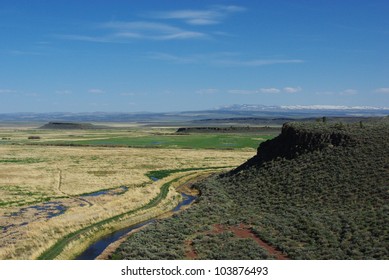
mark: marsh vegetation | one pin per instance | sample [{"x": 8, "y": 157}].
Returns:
[{"x": 56, "y": 196}]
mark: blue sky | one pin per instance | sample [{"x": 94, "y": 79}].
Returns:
[{"x": 159, "y": 56}]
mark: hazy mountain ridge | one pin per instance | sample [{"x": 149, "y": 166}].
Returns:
[
  {"x": 233, "y": 111},
  {"x": 255, "y": 107},
  {"x": 71, "y": 126}
]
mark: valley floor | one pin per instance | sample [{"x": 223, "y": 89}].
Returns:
[{"x": 49, "y": 193}]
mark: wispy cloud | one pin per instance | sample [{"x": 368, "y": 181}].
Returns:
[
  {"x": 156, "y": 28},
  {"x": 212, "y": 15},
  {"x": 194, "y": 58},
  {"x": 325, "y": 93},
  {"x": 150, "y": 30},
  {"x": 96, "y": 91},
  {"x": 271, "y": 90},
  {"x": 96, "y": 104},
  {"x": 208, "y": 91},
  {"x": 8, "y": 91},
  {"x": 292, "y": 89},
  {"x": 382, "y": 90},
  {"x": 229, "y": 59},
  {"x": 93, "y": 39},
  {"x": 122, "y": 31},
  {"x": 24, "y": 53},
  {"x": 257, "y": 62},
  {"x": 348, "y": 92}
]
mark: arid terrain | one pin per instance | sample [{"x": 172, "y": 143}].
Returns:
[
  {"x": 51, "y": 188},
  {"x": 317, "y": 191}
]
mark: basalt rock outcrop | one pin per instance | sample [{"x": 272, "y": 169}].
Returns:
[{"x": 296, "y": 139}]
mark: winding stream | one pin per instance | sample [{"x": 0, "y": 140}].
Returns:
[{"x": 99, "y": 246}]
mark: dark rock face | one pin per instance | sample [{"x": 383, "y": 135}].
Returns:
[{"x": 294, "y": 141}]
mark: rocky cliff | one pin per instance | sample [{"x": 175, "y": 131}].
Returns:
[{"x": 296, "y": 139}]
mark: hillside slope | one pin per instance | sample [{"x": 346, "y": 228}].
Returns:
[{"x": 317, "y": 191}]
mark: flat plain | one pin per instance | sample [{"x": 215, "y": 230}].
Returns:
[{"x": 57, "y": 184}]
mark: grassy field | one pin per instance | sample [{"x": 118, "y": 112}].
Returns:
[
  {"x": 136, "y": 137},
  {"x": 48, "y": 193},
  {"x": 177, "y": 141}
]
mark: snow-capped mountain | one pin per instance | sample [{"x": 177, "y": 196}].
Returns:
[{"x": 256, "y": 107}]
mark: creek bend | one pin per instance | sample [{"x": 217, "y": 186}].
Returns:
[{"x": 95, "y": 249}]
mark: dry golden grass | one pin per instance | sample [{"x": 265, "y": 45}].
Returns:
[
  {"x": 20, "y": 134},
  {"x": 29, "y": 175}
]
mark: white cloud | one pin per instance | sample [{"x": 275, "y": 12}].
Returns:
[
  {"x": 151, "y": 30},
  {"x": 213, "y": 15},
  {"x": 257, "y": 62},
  {"x": 93, "y": 39},
  {"x": 231, "y": 8},
  {"x": 269, "y": 90},
  {"x": 382, "y": 90},
  {"x": 292, "y": 89},
  {"x": 325, "y": 93},
  {"x": 119, "y": 31},
  {"x": 7, "y": 91},
  {"x": 140, "y": 26},
  {"x": 96, "y": 91},
  {"x": 348, "y": 92},
  {"x": 181, "y": 35},
  {"x": 201, "y": 21},
  {"x": 194, "y": 17},
  {"x": 177, "y": 59},
  {"x": 221, "y": 59}
]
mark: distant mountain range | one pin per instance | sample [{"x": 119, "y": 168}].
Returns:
[
  {"x": 254, "y": 107},
  {"x": 225, "y": 112}
]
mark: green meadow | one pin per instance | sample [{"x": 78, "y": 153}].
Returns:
[{"x": 192, "y": 141}]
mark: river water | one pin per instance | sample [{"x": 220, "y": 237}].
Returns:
[{"x": 94, "y": 250}]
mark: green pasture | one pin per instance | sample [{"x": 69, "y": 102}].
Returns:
[{"x": 191, "y": 141}]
